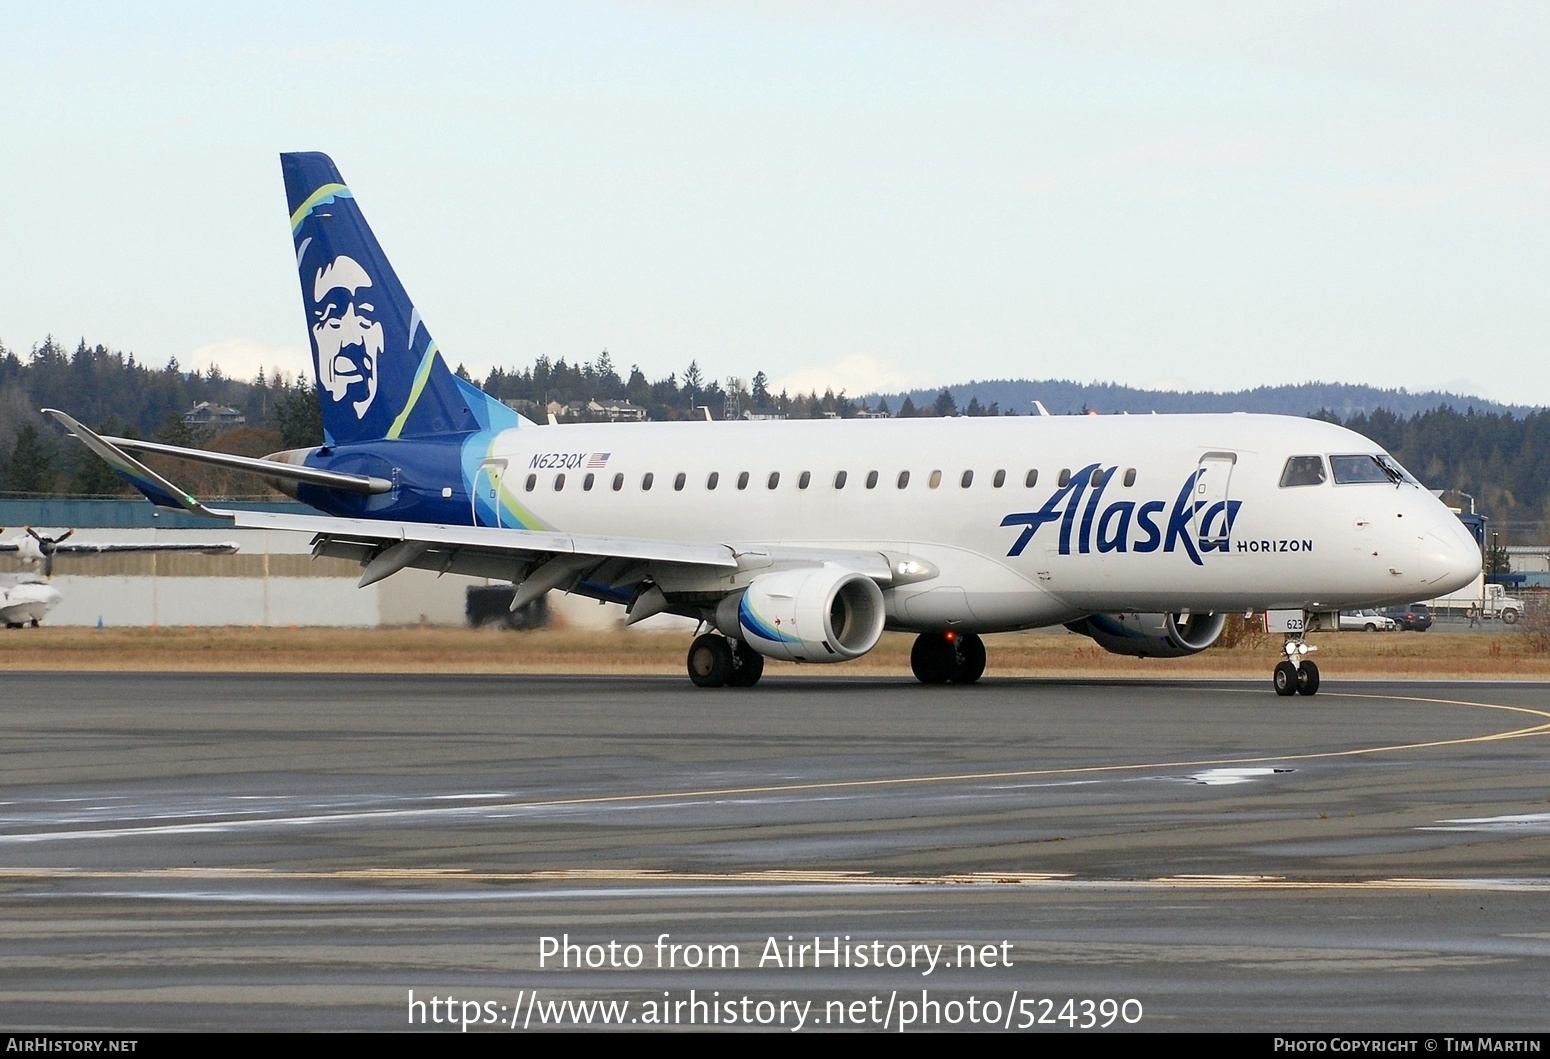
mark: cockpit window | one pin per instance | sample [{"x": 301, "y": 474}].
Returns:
[
  {"x": 1303, "y": 470},
  {"x": 1380, "y": 468}
]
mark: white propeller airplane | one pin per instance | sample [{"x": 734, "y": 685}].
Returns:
[
  {"x": 806, "y": 540},
  {"x": 28, "y": 601}
]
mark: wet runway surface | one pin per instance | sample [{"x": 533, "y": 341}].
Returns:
[{"x": 301, "y": 851}]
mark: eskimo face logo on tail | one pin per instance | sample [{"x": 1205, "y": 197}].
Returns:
[
  {"x": 1086, "y": 525},
  {"x": 347, "y": 338}
]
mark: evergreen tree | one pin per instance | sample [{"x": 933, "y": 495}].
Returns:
[
  {"x": 299, "y": 418},
  {"x": 945, "y": 406},
  {"x": 907, "y": 409},
  {"x": 638, "y": 391},
  {"x": 93, "y": 477},
  {"x": 31, "y": 466},
  {"x": 694, "y": 382},
  {"x": 605, "y": 378}
]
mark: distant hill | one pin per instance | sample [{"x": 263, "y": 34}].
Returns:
[{"x": 1062, "y": 396}]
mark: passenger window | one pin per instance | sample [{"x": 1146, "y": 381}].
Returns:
[
  {"x": 742, "y": 480},
  {"x": 618, "y": 482},
  {"x": 1308, "y": 470},
  {"x": 646, "y": 480},
  {"x": 871, "y": 480},
  {"x": 967, "y": 479},
  {"x": 559, "y": 482},
  {"x": 714, "y": 480},
  {"x": 999, "y": 480},
  {"x": 1065, "y": 478},
  {"x": 678, "y": 483},
  {"x": 774, "y": 479},
  {"x": 1130, "y": 477},
  {"x": 839, "y": 480},
  {"x": 532, "y": 480},
  {"x": 803, "y": 481},
  {"x": 586, "y": 483},
  {"x": 1031, "y": 479},
  {"x": 904, "y": 479},
  {"x": 935, "y": 479}
]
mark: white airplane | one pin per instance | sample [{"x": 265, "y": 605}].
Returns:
[
  {"x": 28, "y": 601},
  {"x": 806, "y": 540}
]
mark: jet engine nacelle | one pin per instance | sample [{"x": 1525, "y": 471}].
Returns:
[
  {"x": 817, "y": 614},
  {"x": 1152, "y": 635}
]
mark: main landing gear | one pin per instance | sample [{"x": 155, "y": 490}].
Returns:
[
  {"x": 950, "y": 657},
  {"x": 715, "y": 662},
  {"x": 1297, "y": 675}
]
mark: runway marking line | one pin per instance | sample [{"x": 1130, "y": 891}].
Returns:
[{"x": 369, "y": 815}]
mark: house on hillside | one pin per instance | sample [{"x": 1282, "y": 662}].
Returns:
[
  {"x": 205, "y": 414},
  {"x": 618, "y": 411}
]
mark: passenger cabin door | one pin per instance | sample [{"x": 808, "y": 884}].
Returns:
[
  {"x": 487, "y": 493},
  {"x": 1213, "y": 489}
]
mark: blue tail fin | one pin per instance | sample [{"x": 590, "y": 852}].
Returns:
[{"x": 378, "y": 372}]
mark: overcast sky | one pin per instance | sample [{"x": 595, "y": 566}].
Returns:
[{"x": 868, "y": 195}]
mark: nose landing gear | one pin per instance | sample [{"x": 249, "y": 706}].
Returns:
[{"x": 1298, "y": 675}]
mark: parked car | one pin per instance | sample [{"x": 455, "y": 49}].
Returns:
[
  {"x": 1412, "y": 617},
  {"x": 1366, "y": 621}
]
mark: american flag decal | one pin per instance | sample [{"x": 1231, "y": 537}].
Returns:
[{"x": 598, "y": 460}]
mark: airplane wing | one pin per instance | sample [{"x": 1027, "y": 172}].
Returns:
[
  {"x": 88, "y": 548},
  {"x": 609, "y": 568},
  {"x": 617, "y": 569}
]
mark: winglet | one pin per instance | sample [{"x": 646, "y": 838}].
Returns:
[{"x": 157, "y": 489}]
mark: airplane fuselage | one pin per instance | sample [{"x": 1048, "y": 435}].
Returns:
[{"x": 1029, "y": 520}]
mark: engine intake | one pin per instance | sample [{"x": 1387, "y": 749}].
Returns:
[
  {"x": 1152, "y": 635},
  {"x": 818, "y": 614}
]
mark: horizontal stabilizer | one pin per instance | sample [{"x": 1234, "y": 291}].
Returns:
[
  {"x": 348, "y": 483},
  {"x": 157, "y": 489}
]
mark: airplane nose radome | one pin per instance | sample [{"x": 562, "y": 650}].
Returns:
[{"x": 1451, "y": 558}]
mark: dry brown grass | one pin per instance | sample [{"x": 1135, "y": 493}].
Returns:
[{"x": 320, "y": 650}]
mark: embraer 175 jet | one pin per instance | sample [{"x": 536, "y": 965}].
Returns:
[{"x": 806, "y": 540}]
